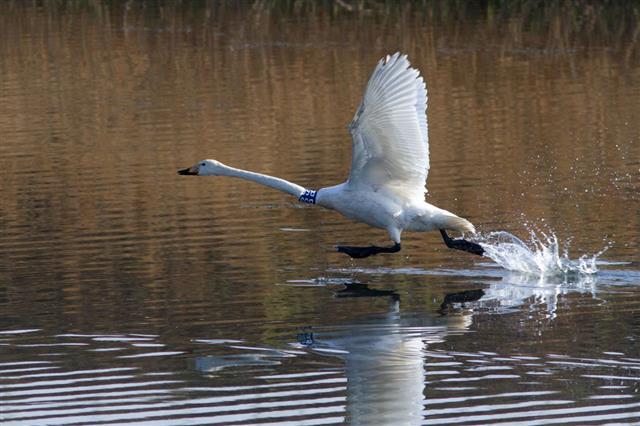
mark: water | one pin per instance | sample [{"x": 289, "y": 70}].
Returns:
[
  {"x": 543, "y": 255},
  {"x": 132, "y": 295}
]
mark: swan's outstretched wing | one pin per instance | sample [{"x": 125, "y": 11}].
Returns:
[{"x": 389, "y": 131}]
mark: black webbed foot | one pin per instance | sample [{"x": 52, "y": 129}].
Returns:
[
  {"x": 461, "y": 244},
  {"x": 361, "y": 252}
]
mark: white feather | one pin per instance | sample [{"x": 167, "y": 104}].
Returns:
[{"x": 389, "y": 131}]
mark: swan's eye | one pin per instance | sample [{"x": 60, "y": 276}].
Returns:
[{"x": 202, "y": 164}]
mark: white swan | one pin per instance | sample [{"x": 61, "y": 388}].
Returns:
[{"x": 389, "y": 165}]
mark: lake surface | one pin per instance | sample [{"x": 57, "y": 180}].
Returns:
[{"x": 132, "y": 295}]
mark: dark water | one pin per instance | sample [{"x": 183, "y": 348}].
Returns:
[{"x": 131, "y": 295}]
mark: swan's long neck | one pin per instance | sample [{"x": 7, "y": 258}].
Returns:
[{"x": 301, "y": 193}]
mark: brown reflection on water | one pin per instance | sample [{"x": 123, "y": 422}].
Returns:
[
  {"x": 100, "y": 106},
  {"x": 533, "y": 116}
]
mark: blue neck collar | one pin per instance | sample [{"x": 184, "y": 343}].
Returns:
[{"x": 308, "y": 197}]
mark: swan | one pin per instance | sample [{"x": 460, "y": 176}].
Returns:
[{"x": 390, "y": 160}]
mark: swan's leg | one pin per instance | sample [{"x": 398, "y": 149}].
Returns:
[
  {"x": 360, "y": 252},
  {"x": 461, "y": 244}
]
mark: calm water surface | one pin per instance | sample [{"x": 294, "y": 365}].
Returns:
[{"x": 131, "y": 295}]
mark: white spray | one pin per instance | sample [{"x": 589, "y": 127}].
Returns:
[{"x": 541, "y": 257}]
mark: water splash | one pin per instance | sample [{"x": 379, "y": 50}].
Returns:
[{"x": 541, "y": 257}]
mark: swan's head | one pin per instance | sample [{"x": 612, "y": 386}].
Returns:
[{"x": 203, "y": 168}]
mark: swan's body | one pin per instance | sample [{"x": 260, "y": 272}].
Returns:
[
  {"x": 389, "y": 166},
  {"x": 387, "y": 210}
]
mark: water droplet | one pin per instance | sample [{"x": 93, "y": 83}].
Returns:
[{"x": 542, "y": 256}]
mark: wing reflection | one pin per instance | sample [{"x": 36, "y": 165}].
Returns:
[{"x": 384, "y": 358}]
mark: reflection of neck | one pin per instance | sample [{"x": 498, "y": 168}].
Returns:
[{"x": 270, "y": 181}]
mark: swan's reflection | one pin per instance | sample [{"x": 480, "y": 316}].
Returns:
[
  {"x": 510, "y": 289},
  {"x": 384, "y": 354},
  {"x": 384, "y": 358}
]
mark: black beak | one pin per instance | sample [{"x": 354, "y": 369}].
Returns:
[{"x": 187, "y": 172}]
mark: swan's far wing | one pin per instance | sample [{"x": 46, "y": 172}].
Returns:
[{"x": 389, "y": 130}]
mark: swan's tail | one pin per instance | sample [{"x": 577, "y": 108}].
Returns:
[{"x": 455, "y": 223}]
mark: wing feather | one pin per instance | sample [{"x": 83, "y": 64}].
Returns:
[{"x": 389, "y": 131}]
